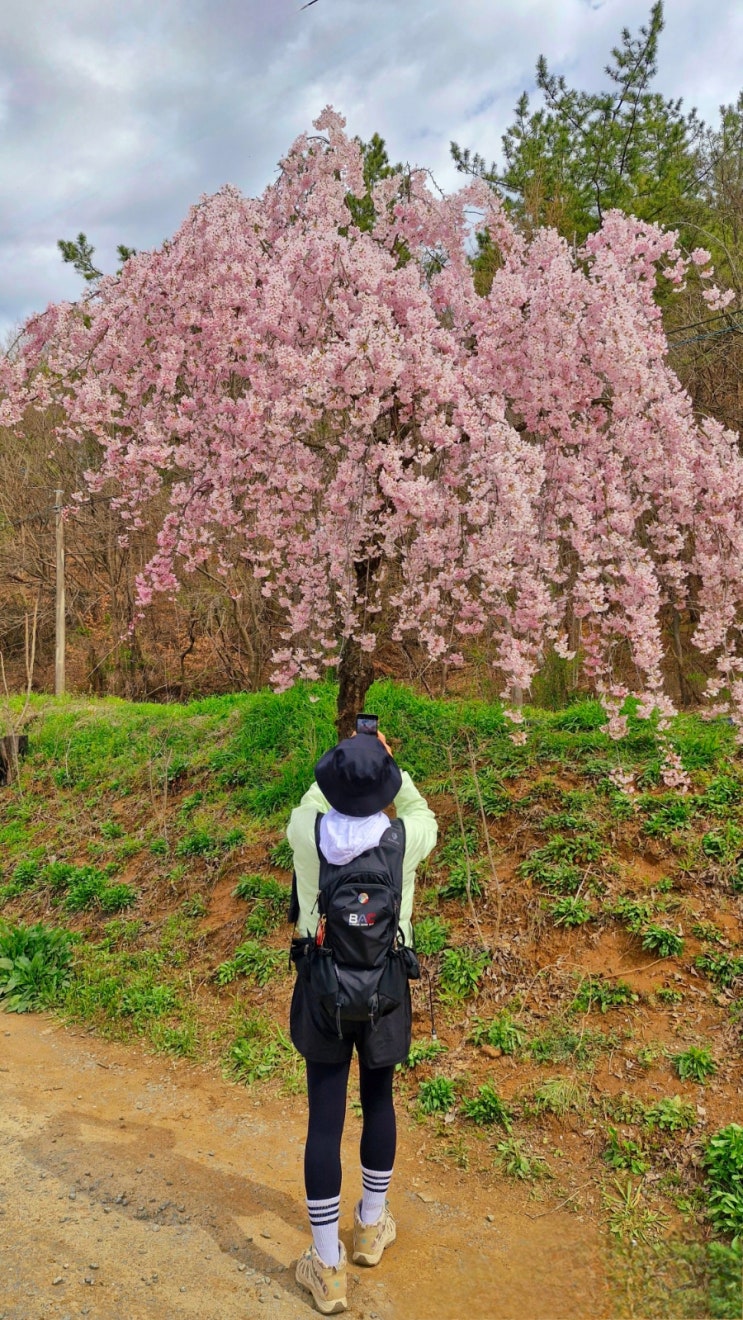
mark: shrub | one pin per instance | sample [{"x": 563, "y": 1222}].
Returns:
[
  {"x": 35, "y": 965},
  {"x": 723, "y": 1162}
]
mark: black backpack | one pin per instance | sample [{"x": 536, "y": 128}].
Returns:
[{"x": 359, "y": 963}]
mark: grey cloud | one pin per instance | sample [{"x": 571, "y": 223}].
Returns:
[{"x": 115, "y": 118}]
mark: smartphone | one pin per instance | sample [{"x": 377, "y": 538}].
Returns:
[{"x": 367, "y": 724}]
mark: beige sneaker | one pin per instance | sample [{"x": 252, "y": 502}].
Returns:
[
  {"x": 370, "y": 1240},
  {"x": 327, "y": 1283}
]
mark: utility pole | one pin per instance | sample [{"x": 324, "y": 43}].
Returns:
[{"x": 59, "y": 617}]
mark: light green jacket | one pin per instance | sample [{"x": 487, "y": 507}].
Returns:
[{"x": 420, "y": 837}]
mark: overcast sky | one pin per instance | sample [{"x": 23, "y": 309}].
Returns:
[{"x": 116, "y": 115}]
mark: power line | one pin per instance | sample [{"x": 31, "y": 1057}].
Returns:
[{"x": 735, "y": 329}]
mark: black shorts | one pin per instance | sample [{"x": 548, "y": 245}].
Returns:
[{"x": 315, "y": 1034}]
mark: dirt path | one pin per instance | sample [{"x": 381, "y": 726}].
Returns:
[{"x": 133, "y": 1188}]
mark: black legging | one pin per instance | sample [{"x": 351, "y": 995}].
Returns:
[{"x": 326, "y": 1092}]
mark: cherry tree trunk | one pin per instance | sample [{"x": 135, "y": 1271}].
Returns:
[{"x": 355, "y": 677}]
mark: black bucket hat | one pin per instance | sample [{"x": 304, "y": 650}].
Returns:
[{"x": 358, "y": 776}]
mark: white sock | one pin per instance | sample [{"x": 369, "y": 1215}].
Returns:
[
  {"x": 324, "y": 1217},
  {"x": 375, "y": 1191}
]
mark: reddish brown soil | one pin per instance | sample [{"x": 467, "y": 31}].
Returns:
[{"x": 139, "y": 1189}]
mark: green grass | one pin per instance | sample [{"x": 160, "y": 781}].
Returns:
[
  {"x": 260, "y": 1051},
  {"x": 190, "y": 785},
  {"x": 563, "y": 1043},
  {"x": 253, "y": 961}
]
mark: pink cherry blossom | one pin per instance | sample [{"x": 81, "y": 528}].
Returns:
[{"x": 393, "y": 455}]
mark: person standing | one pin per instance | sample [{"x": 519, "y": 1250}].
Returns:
[{"x": 340, "y": 834}]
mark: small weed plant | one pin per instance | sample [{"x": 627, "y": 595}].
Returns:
[
  {"x": 570, "y": 911},
  {"x": 35, "y": 966},
  {"x": 486, "y": 1108},
  {"x": 281, "y": 855},
  {"x": 695, "y": 1064},
  {"x": 502, "y": 1033},
  {"x": 598, "y": 992},
  {"x": 671, "y": 1114},
  {"x": 663, "y": 941},
  {"x": 666, "y": 816},
  {"x": 514, "y": 1158},
  {"x": 423, "y": 1051},
  {"x": 558, "y": 1095},
  {"x": 722, "y": 968},
  {"x": 461, "y": 972},
  {"x": 562, "y": 1042},
  {"x": 623, "y": 1153},
  {"x": 260, "y": 1051},
  {"x": 629, "y": 1216},
  {"x": 437, "y": 1096},
  {"x": 431, "y": 935},
  {"x": 723, "y": 1163},
  {"x": 463, "y": 880}
]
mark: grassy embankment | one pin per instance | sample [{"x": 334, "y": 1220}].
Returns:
[{"x": 584, "y": 943}]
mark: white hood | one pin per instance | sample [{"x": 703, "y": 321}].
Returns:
[{"x": 344, "y": 837}]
